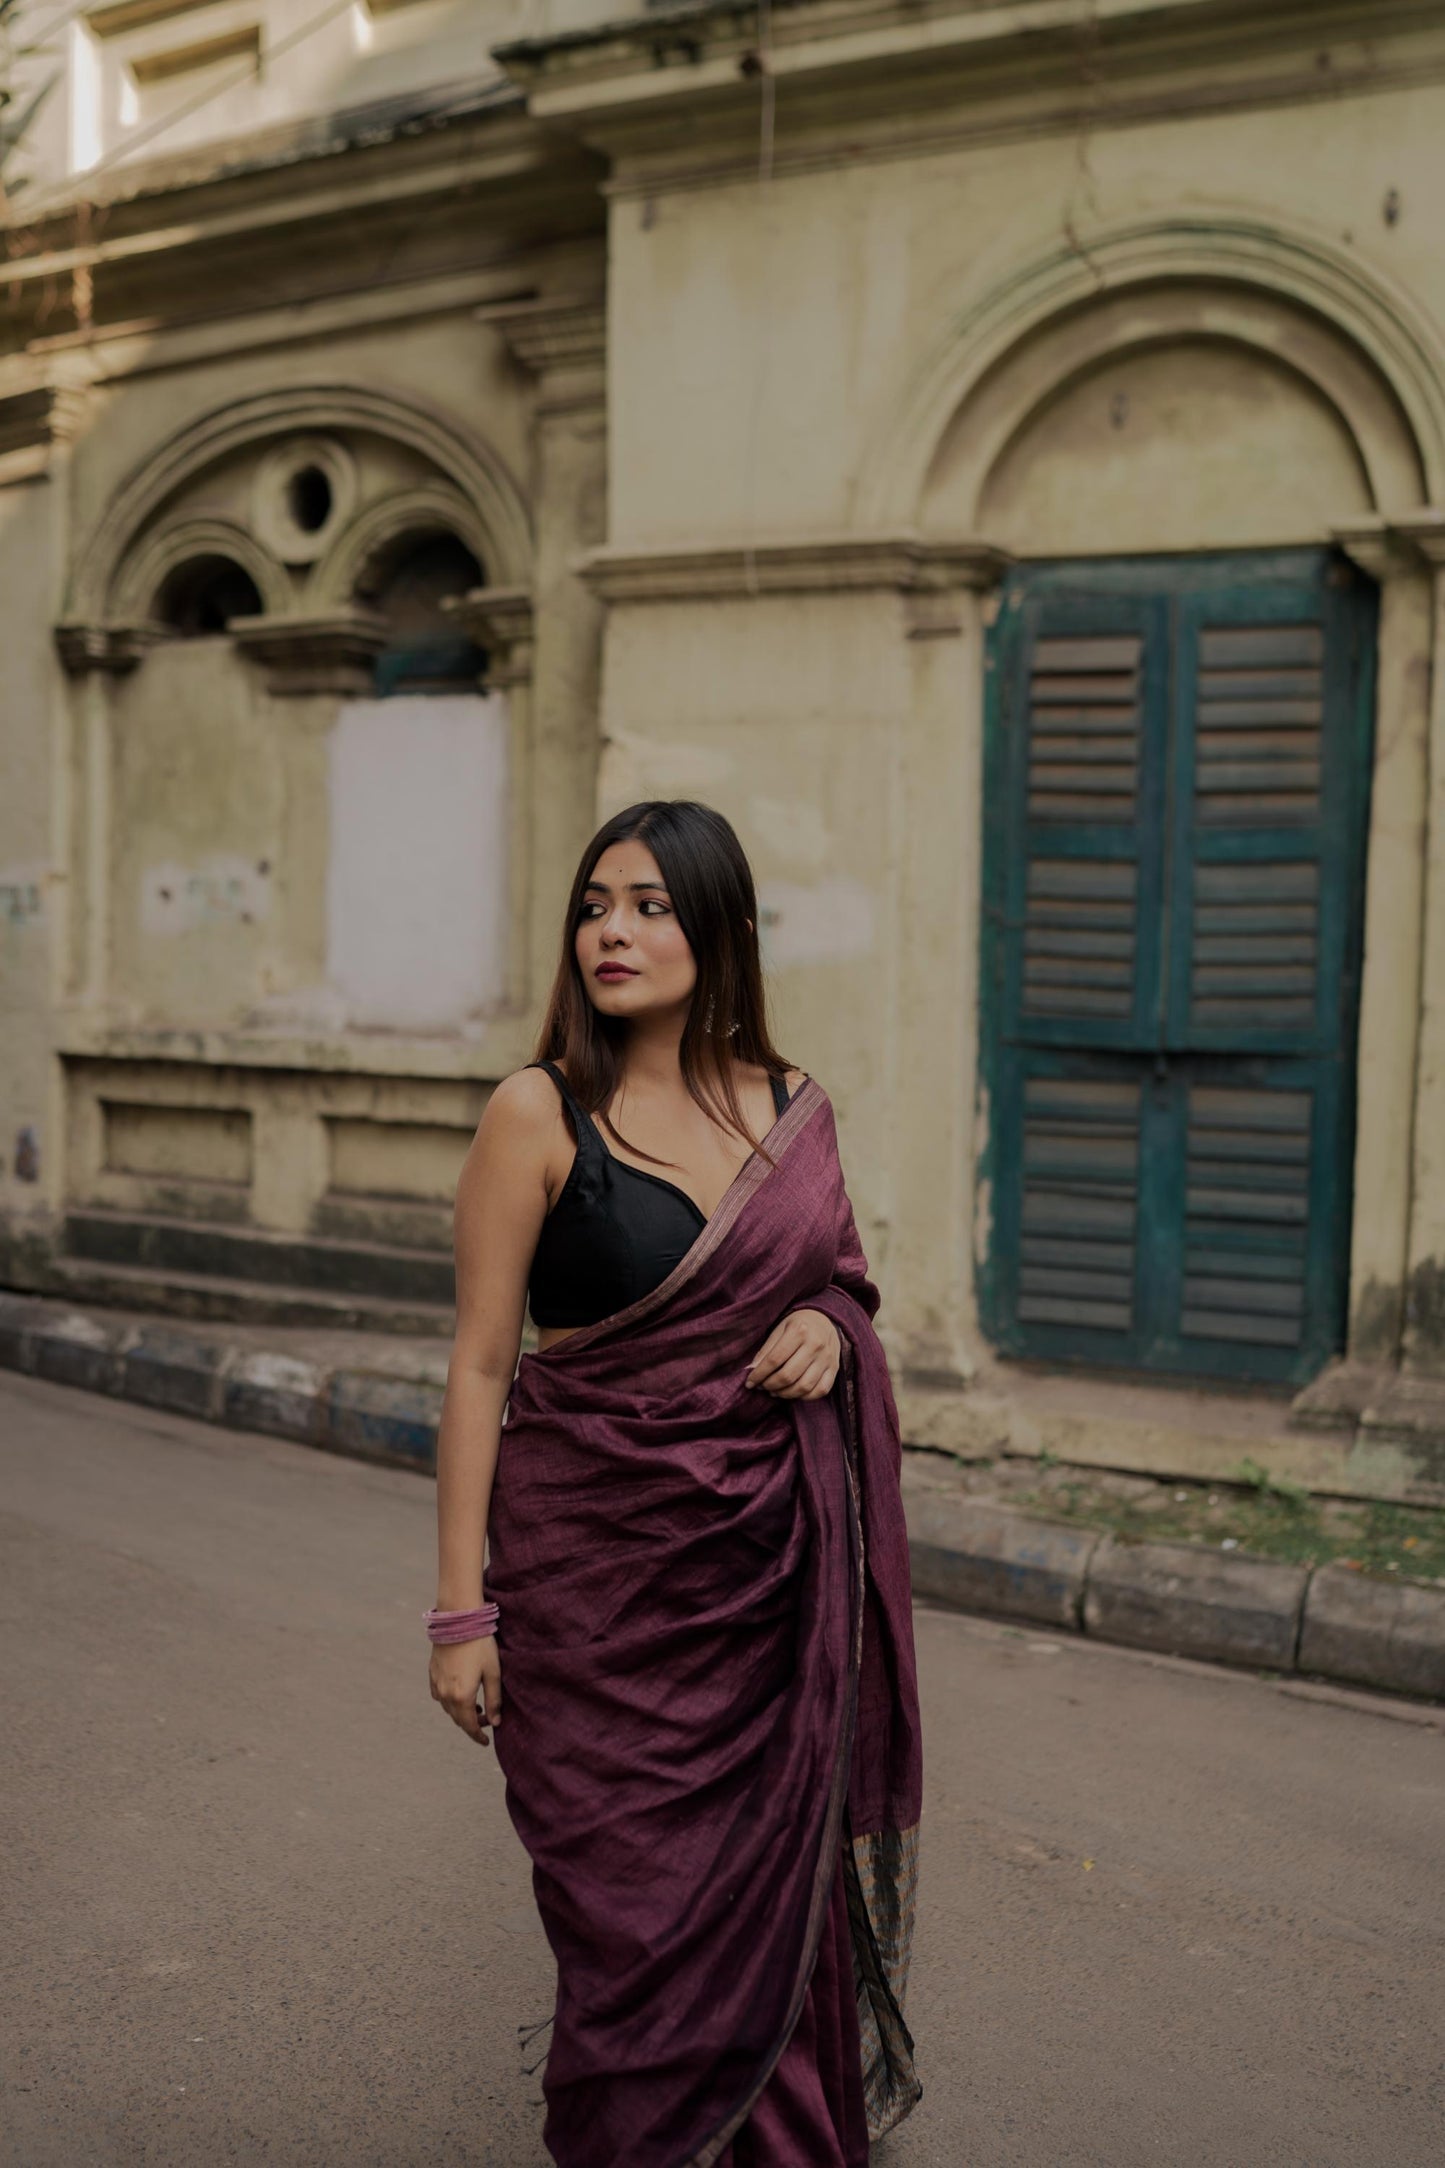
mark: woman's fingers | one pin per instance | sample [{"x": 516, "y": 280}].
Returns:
[
  {"x": 491, "y": 1686},
  {"x": 789, "y": 1370},
  {"x": 770, "y": 1354},
  {"x": 459, "y": 1674},
  {"x": 471, "y": 1721},
  {"x": 815, "y": 1383},
  {"x": 799, "y": 1359}
]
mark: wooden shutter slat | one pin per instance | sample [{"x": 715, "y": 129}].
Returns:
[
  {"x": 1084, "y": 752},
  {"x": 1080, "y": 1203},
  {"x": 1225, "y": 648}
]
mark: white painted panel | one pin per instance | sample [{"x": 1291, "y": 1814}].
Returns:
[{"x": 417, "y": 877}]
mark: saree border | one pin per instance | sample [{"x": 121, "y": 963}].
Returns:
[{"x": 806, "y": 1101}]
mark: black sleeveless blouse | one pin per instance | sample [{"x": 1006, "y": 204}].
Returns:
[{"x": 614, "y": 1233}]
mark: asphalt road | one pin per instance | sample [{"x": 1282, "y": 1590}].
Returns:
[{"x": 261, "y": 1903}]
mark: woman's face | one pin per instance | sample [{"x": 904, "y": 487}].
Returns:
[{"x": 631, "y": 951}]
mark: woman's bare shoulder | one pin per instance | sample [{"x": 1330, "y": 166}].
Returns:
[{"x": 525, "y": 1104}]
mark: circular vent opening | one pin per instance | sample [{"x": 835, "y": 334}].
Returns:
[{"x": 308, "y": 496}]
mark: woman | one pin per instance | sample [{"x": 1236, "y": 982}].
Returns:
[{"x": 695, "y": 1543}]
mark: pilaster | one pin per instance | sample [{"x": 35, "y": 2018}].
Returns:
[{"x": 1390, "y": 989}]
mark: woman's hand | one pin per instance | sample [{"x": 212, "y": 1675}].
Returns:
[
  {"x": 799, "y": 1359},
  {"x": 458, "y": 1670}
]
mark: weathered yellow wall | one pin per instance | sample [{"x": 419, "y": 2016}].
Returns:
[
  {"x": 33, "y": 892},
  {"x": 1213, "y": 320},
  {"x": 779, "y": 365}
]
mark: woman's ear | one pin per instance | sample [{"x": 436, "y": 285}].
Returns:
[{"x": 749, "y": 924}]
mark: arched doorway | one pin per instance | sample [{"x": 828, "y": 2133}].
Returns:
[{"x": 1176, "y": 798}]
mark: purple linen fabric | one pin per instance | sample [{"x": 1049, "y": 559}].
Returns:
[{"x": 708, "y": 1674}]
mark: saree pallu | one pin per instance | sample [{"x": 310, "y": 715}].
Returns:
[{"x": 710, "y": 1697}]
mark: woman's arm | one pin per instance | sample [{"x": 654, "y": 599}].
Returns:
[{"x": 501, "y": 1201}]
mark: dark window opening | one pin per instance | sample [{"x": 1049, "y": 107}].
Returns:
[
  {"x": 426, "y": 650},
  {"x": 308, "y": 495},
  {"x": 201, "y": 597}
]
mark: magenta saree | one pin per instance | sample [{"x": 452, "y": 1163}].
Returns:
[{"x": 710, "y": 1730}]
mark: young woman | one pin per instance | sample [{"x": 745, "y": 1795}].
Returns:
[{"x": 697, "y": 1616}]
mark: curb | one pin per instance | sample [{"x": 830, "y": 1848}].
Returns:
[
  {"x": 1178, "y": 1598},
  {"x": 363, "y": 1413}
]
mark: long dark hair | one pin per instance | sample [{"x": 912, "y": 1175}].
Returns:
[{"x": 708, "y": 877}]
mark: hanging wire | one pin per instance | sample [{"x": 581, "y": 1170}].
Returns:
[{"x": 767, "y": 122}]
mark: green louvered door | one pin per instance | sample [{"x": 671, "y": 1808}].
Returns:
[{"x": 1176, "y": 793}]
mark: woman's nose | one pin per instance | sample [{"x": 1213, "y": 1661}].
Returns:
[{"x": 615, "y": 931}]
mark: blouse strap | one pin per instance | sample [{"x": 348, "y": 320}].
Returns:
[
  {"x": 582, "y": 1122},
  {"x": 780, "y": 1094}
]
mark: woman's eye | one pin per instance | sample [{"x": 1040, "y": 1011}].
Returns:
[{"x": 654, "y": 903}]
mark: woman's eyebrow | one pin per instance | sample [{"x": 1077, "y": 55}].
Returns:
[{"x": 634, "y": 888}]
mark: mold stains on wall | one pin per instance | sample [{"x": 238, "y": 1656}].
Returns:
[
  {"x": 22, "y": 896},
  {"x": 1425, "y": 1315},
  {"x": 1375, "y": 1323},
  {"x": 224, "y": 890}
]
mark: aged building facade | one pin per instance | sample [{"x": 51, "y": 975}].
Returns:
[{"x": 993, "y": 451}]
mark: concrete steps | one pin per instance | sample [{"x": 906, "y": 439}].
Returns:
[
  {"x": 193, "y": 1269},
  {"x": 214, "y": 1299}
]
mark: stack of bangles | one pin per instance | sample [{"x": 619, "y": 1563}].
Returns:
[{"x": 451, "y": 1626}]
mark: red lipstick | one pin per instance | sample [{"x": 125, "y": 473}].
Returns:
[{"x": 614, "y": 972}]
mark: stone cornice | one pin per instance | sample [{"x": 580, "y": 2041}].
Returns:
[
  {"x": 501, "y": 620},
  {"x": 169, "y": 231},
  {"x": 111, "y": 649},
  {"x": 333, "y": 653},
  {"x": 1386, "y": 549},
  {"x": 921, "y": 567},
  {"x": 562, "y": 341},
  {"x": 626, "y": 85},
  {"x": 32, "y": 422}
]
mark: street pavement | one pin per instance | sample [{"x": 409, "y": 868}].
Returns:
[{"x": 262, "y": 1903}]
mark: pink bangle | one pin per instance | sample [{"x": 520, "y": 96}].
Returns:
[{"x": 452, "y": 1626}]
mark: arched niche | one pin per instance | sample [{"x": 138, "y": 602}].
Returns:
[
  {"x": 1290, "y": 295},
  {"x": 307, "y": 475},
  {"x": 1171, "y": 418},
  {"x": 1175, "y": 445}
]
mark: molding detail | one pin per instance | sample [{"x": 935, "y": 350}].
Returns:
[
  {"x": 931, "y": 572},
  {"x": 1297, "y": 272},
  {"x": 474, "y": 469},
  {"x": 501, "y": 620},
  {"x": 562, "y": 342},
  {"x": 1425, "y": 532},
  {"x": 112, "y": 649},
  {"x": 1389, "y": 549},
  {"x": 31, "y": 422},
  {"x": 330, "y": 654}
]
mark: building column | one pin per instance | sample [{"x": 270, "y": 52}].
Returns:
[
  {"x": 94, "y": 656},
  {"x": 502, "y": 620},
  {"x": 940, "y": 1217},
  {"x": 561, "y": 343},
  {"x": 1389, "y": 1026},
  {"x": 1425, "y": 1286}
]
